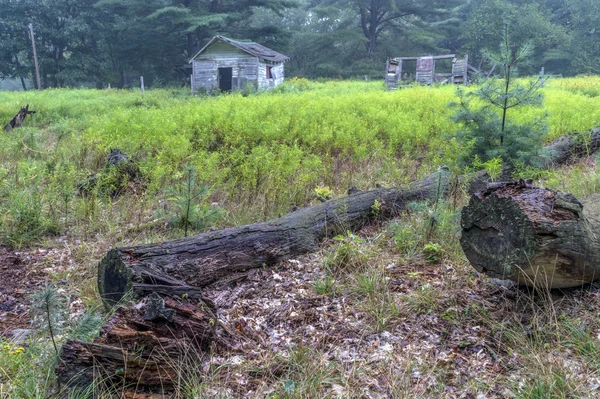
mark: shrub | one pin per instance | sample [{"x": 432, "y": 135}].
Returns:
[
  {"x": 189, "y": 209},
  {"x": 433, "y": 252}
]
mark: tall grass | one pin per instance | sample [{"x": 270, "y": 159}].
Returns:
[{"x": 259, "y": 154}]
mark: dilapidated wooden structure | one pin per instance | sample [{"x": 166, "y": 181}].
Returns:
[
  {"x": 228, "y": 65},
  {"x": 425, "y": 71}
]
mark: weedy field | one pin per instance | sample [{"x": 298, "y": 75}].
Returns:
[{"x": 393, "y": 311}]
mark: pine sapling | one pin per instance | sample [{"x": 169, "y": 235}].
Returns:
[
  {"x": 189, "y": 205},
  {"x": 488, "y": 132}
]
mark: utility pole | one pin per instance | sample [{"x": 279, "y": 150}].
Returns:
[{"x": 35, "y": 60}]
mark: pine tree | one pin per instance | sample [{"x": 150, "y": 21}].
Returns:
[{"x": 487, "y": 132}]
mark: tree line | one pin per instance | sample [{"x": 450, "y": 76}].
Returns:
[{"x": 101, "y": 42}]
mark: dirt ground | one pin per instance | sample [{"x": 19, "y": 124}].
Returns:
[{"x": 22, "y": 273}]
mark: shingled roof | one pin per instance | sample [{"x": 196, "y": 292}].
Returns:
[{"x": 252, "y": 48}]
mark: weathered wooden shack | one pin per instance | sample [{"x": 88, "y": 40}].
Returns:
[
  {"x": 425, "y": 70},
  {"x": 228, "y": 65}
]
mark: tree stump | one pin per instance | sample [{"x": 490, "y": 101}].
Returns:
[
  {"x": 534, "y": 236},
  {"x": 17, "y": 120}
]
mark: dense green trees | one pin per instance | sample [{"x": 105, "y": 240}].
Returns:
[
  {"x": 114, "y": 41},
  {"x": 530, "y": 21},
  {"x": 582, "y": 17}
]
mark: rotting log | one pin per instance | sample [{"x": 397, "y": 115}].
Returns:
[
  {"x": 195, "y": 262},
  {"x": 17, "y": 120},
  {"x": 142, "y": 347},
  {"x": 565, "y": 148},
  {"x": 534, "y": 236},
  {"x": 206, "y": 258}
]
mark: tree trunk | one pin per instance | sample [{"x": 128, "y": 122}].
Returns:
[
  {"x": 203, "y": 259},
  {"x": 533, "y": 236},
  {"x": 143, "y": 346}
]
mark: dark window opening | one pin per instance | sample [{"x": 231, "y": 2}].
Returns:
[{"x": 269, "y": 74}]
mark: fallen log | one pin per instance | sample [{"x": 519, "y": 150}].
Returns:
[
  {"x": 195, "y": 262},
  {"x": 204, "y": 259},
  {"x": 17, "y": 120},
  {"x": 141, "y": 346},
  {"x": 565, "y": 148},
  {"x": 534, "y": 236}
]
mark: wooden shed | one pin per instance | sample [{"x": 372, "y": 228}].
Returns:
[
  {"x": 425, "y": 72},
  {"x": 229, "y": 65}
]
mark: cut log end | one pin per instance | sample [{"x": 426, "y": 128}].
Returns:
[
  {"x": 114, "y": 278},
  {"x": 530, "y": 235}
]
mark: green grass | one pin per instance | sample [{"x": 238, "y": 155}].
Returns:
[{"x": 258, "y": 154}]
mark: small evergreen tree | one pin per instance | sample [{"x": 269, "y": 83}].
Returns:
[
  {"x": 189, "y": 209},
  {"x": 487, "y": 132}
]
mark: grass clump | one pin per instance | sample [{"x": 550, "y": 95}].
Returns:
[
  {"x": 349, "y": 254},
  {"x": 552, "y": 384},
  {"x": 427, "y": 230},
  {"x": 325, "y": 285},
  {"x": 375, "y": 299}
]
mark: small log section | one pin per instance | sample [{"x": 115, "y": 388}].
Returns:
[
  {"x": 142, "y": 346},
  {"x": 17, "y": 120},
  {"x": 534, "y": 236}
]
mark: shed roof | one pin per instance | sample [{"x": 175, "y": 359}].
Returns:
[{"x": 252, "y": 48}]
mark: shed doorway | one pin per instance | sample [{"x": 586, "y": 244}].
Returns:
[{"x": 225, "y": 79}]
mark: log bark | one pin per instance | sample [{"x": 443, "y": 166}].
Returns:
[
  {"x": 17, "y": 120},
  {"x": 565, "y": 148},
  {"x": 141, "y": 346},
  {"x": 534, "y": 236},
  {"x": 204, "y": 259}
]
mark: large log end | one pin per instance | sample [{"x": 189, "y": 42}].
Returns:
[{"x": 530, "y": 235}]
